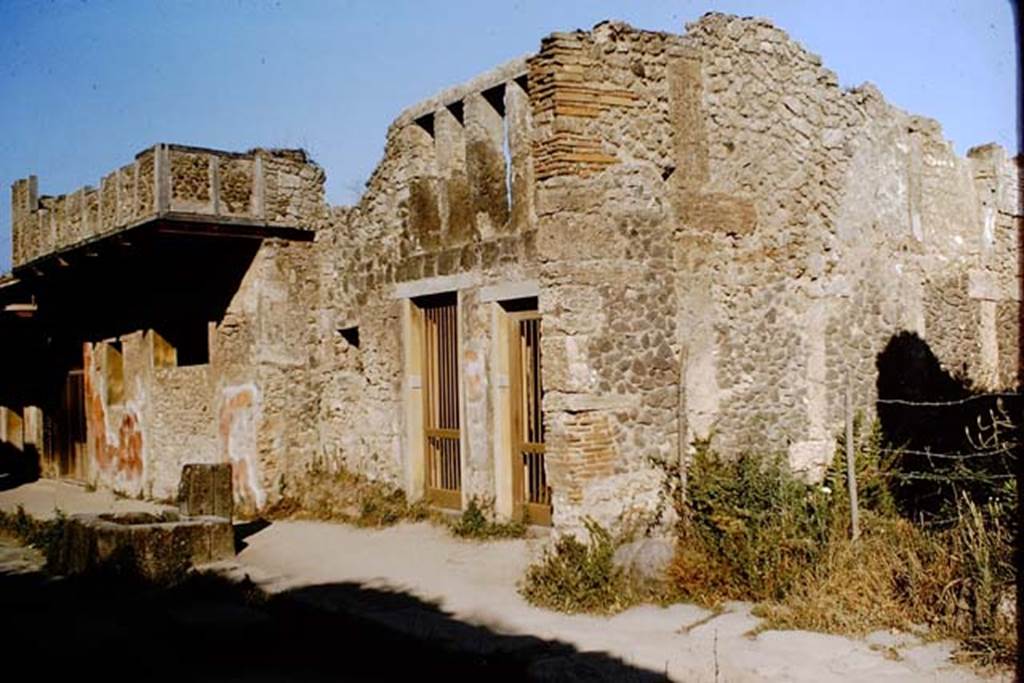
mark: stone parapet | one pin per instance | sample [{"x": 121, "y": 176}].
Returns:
[{"x": 263, "y": 187}]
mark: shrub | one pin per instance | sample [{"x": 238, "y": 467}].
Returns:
[
  {"x": 752, "y": 529},
  {"x": 580, "y": 577},
  {"x": 476, "y": 522}
]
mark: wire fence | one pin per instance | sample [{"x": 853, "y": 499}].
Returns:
[
  {"x": 985, "y": 459},
  {"x": 952, "y": 402}
]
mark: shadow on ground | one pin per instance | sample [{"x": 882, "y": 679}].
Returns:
[
  {"x": 17, "y": 467},
  {"x": 244, "y": 530},
  {"x": 209, "y": 628}
]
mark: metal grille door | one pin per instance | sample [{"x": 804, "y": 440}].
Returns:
[
  {"x": 441, "y": 403},
  {"x": 530, "y": 482}
]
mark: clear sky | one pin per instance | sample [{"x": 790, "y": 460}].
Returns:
[{"x": 84, "y": 85}]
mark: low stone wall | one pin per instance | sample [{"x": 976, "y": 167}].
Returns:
[{"x": 154, "y": 547}]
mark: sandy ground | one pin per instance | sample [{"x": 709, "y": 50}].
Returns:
[
  {"x": 41, "y": 499},
  {"x": 476, "y": 583},
  {"x": 467, "y": 599}
]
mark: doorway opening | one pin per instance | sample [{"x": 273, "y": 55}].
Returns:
[
  {"x": 69, "y": 445},
  {"x": 531, "y": 494},
  {"x": 441, "y": 415}
]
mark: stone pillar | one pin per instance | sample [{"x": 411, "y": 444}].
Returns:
[
  {"x": 24, "y": 202},
  {"x": 485, "y": 160},
  {"x": 517, "y": 107},
  {"x": 450, "y": 144},
  {"x": 205, "y": 490},
  {"x": 417, "y": 144}
]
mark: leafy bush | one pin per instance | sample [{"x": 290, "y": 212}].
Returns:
[
  {"x": 476, "y": 522},
  {"x": 752, "y": 529},
  {"x": 580, "y": 577}
]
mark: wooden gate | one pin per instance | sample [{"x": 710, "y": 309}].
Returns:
[
  {"x": 531, "y": 493},
  {"x": 70, "y": 439},
  {"x": 441, "y": 402}
]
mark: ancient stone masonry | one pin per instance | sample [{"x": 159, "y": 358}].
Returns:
[
  {"x": 712, "y": 232},
  {"x": 266, "y": 186}
]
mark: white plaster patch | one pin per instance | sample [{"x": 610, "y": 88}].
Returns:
[
  {"x": 581, "y": 376},
  {"x": 988, "y": 231},
  {"x": 240, "y": 413},
  {"x": 810, "y": 458},
  {"x": 981, "y": 284}
]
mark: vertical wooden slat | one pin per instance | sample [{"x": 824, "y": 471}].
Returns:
[
  {"x": 441, "y": 422},
  {"x": 530, "y": 490}
]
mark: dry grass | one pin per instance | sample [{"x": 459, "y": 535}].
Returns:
[
  {"x": 956, "y": 583},
  {"x": 344, "y": 496},
  {"x": 754, "y": 533},
  {"x": 861, "y": 587},
  {"x": 753, "y": 530}
]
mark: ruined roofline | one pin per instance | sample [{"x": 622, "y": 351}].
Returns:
[
  {"x": 296, "y": 153},
  {"x": 503, "y": 73},
  {"x": 272, "y": 188}
]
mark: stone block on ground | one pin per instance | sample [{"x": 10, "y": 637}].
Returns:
[{"x": 205, "y": 490}]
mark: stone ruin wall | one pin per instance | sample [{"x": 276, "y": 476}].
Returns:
[
  {"x": 253, "y": 403},
  {"x": 264, "y": 402},
  {"x": 717, "y": 231},
  {"x": 859, "y": 222},
  {"x": 444, "y": 210},
  {"x": 724, "y": 233},
  {"x": 605, "y": 155}
]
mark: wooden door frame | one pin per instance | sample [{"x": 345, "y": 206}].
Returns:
[
  {"x": 72, "y": 465},
  {"x": 521, "y": 508},
  {"x": 446, "y": 498}
]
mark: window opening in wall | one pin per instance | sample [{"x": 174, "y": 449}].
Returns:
[
  {"x": 496, "y": 98},
  {"x": 114, "y": 371},
  {"x": 456, "y": 110},
  {"x": 164, "y": 353},
  {"x": 441, "y": 419},
  {"x": 526, "y": 303},
  {"x": 350, "y": 335},
  {"x": 426, "y": 122},
  {"x": 191, "y": 342}
]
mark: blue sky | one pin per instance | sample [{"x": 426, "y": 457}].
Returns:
[{"x": 86, "y": 85}]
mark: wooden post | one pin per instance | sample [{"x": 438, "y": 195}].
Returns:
[
  {"x": 851, "y": 474},
  {"x": 681, "y": 443}
]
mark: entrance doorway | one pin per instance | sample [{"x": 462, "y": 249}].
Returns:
[
  {"x": 69, "y": 446},
  {"x": 531, "y": 494},
  {"x": 441, "y": 419}
]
